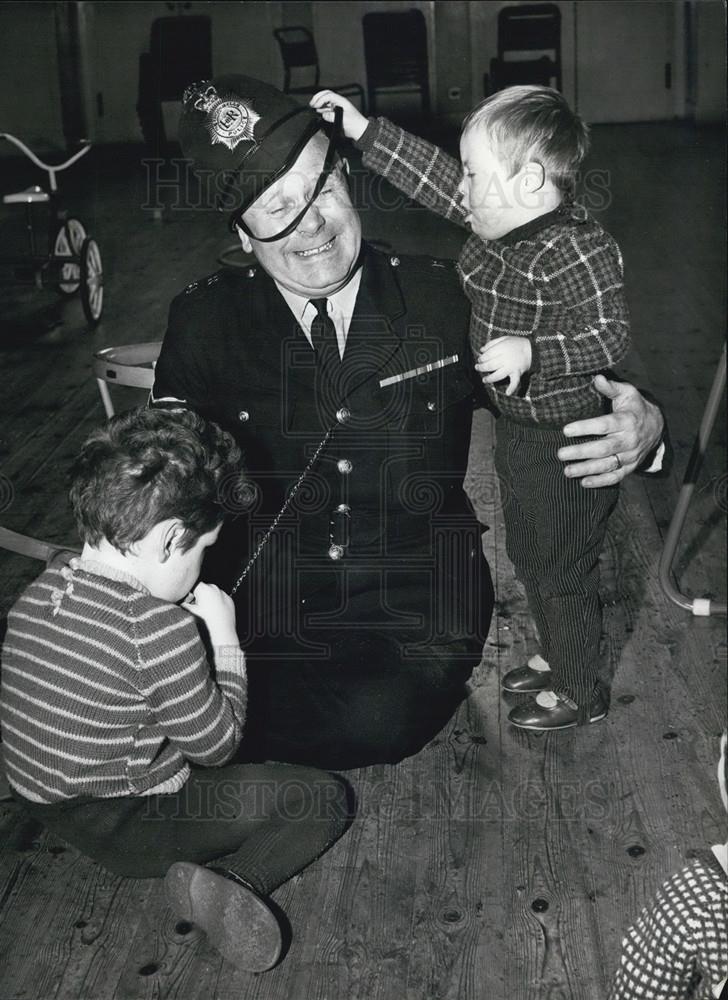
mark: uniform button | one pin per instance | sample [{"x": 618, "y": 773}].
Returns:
[
  {"x": 336, "y": 552},
  {"x": 394, "y": 261},
  {"x": 344, "y": 465},
  {"x": 343, "y": 508},
  {"x": 343, "y": 415},
  {"x": 431, "y": 406},
  {"x": 251, "y": 272},
  {"x": 243, "y": 416}
]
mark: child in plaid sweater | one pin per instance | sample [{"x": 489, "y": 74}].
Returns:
[{"x": 548, "y": 314}]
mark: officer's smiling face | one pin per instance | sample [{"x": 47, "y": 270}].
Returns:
[{"x": 318, "y": 257}]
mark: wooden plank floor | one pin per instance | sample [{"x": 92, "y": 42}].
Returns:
[{"x": 494, "y": 865}]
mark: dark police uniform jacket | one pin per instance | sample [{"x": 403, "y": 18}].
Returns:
[{"x": 378, "y": 555}]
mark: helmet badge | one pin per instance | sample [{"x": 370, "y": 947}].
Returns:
[{"x": 229, "y": 119}]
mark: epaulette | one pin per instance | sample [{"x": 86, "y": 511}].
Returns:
[{"x": 208, "y": 282}]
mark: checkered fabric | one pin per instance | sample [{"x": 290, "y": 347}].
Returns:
[
  {"x": 678, "y": 948},
  {"x": 557, "y": 280}
]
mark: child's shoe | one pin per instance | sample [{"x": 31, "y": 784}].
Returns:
[
  {"x": 549, "y": 710},
  {"x": 237, "y": 922},
  {"x": 535, "y": 676}
]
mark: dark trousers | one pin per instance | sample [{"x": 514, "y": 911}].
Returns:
[
  {"x": 264, "y": 822},
  {"x": 377, "y": 695},
  {"x": 555, "y": 530},
  {"x": 367, "y": 705}
]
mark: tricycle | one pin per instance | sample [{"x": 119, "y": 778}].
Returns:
[{"x": 72, "y": 260}]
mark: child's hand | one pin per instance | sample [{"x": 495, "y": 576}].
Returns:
[
  {"x": 505, "y": 357},
  {"x": 354, "y": 122},
  {"x": 217, "y": 611}
]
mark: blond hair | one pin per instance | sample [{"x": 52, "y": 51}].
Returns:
[{"x": 533, "y": 123}]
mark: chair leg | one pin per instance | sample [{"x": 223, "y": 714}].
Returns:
[
  {"x": 372, "y": 101},
  {"x": 105, "y": 398},
  {"x": 700, "y": 606},
  {"x": 425, "y": 98}
]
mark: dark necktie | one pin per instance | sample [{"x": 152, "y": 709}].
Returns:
[{"x": 323, "y": 335}]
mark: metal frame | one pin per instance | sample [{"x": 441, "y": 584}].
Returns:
[
  {"x": 34, "y": 195},
  {"x": 302, "y": 54},
  {"x": 24, "y": 545},
  {"x": 699, "y": 606},
  {"x": 39, "y": 264},
  {"x": 129, "y": 365}
]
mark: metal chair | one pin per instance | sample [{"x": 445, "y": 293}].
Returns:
[
  {"x": 527, "y": 28},
  {"x": 180, "y": 52},
  {"x": 298, "y": 51},
  {"x": 700, "y": 606},
  {"x": 129, "y": 365},
  {"x": 395, "y": 50}
]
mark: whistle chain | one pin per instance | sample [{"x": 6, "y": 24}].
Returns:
[{"x": 287, "y": 503}]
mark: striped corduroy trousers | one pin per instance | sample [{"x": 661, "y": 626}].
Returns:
[{"x": 555, "y": 530}]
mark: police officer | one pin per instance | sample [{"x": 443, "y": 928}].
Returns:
[{"x": 344, "y": 373}]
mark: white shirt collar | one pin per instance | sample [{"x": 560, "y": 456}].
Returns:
[{"x": 341, "y": 306}]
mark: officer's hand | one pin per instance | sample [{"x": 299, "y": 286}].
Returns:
[
  {"x": 217, "y": 611},
  {"x": 630, "y": 432},
  {"x": 354, "y": 122},
  {"x": 505, "y": 357}
]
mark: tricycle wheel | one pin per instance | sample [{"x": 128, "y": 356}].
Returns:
[
  {"x": 68, "y": 242},
  {"x": 92, "y": 281}
]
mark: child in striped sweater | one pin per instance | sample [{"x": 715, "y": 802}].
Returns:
[{"x": 116, "y": 722}]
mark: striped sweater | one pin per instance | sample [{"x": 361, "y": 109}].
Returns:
[
  {"x": 556, "y": 280},
  {"x": 106, "y": 690}
]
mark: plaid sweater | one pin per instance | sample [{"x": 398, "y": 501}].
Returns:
[
  {"x": 106, "y": 690},
  {"x": 557, "y": 280},
  {"x": 678, "y": 948}
]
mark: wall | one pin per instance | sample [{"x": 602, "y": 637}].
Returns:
[
  {"x": 242, "y": 42},
  {"x": 30, "y": 102},
  {"x": 453, "y": 59},
  {"x": 484, "y": 43},
  {"x": 622, "y": 49},
  {"x": 340, "y": 44},
  {"x": 602, "y": 74},
  {"x": 614, "y": 54},
  {"x": 710, "y": 57}
]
